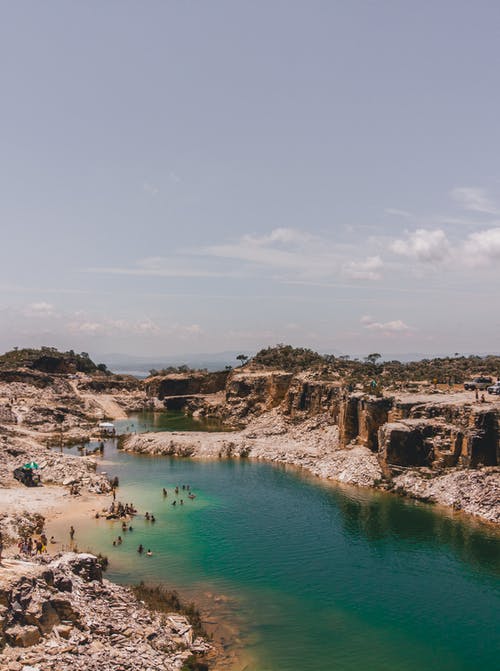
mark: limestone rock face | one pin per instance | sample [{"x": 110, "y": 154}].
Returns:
[
  {"x": 186, "y": 384},
  {"x": 306, "y": 397},
  {"x": 372, "y": 414},
  {"x": 255, "y": 392},
  {"x": 482, "y": 440},
  {"x": 405, "y": 443}
]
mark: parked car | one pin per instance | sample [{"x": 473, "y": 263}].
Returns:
[
  {"x": 495, "y": 388},
  {"x": 480, "y": 383}
]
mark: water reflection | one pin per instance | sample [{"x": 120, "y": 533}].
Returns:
[{"x": 380, "y": 517}]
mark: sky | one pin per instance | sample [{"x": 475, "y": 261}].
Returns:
[{"x": 192, "y": 176}]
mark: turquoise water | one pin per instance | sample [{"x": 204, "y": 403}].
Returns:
[{"x": 315, "y": 576}]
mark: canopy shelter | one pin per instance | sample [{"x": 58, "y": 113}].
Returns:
[
  {"x": 107, "y": 428},
  {"x": 31, "y": 465}
]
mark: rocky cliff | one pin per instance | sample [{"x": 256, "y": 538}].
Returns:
[{"x": 427, "y": 433}]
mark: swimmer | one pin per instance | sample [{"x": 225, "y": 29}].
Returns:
[
  {"x": 164, "y": 492},
  {"x": 119, "y": 540},
  {"x": 182, "y": 502},
  {"x": 140, "y": 549},
  {"x": 149, "y": 553},
  {"x": 153, "y": 519},
  {"x": 174, "y": 502}
]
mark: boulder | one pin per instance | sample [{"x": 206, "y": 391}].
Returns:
[{"x": 22, "y": 637}]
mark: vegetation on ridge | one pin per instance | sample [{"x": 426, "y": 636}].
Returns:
[
  {"x": 49, "y": 360},
  {"x": 443, "y": 370}
]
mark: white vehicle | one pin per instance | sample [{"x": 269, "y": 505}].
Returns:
[{"x": 495, "y": 388}]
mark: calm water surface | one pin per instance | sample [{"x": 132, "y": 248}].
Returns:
[{"x": 317, "y": 577}]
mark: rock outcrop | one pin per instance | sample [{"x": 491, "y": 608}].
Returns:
[{"x": 63, "y": 616}]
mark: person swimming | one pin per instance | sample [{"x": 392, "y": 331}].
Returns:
[
  {"x": 140, "y": 549},
  {"x": 174, "y": 502},
  {"x": 153, "y": 518},
  {"x": 165, "y": 492},
  {"x": 149, "y": 553}
]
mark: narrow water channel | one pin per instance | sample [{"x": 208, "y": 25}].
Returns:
[{"x": 315, "y": 576}]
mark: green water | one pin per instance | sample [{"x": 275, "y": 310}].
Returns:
[
  {"x": 316, "y": 577},
  {"x": 171, "y": 420}
]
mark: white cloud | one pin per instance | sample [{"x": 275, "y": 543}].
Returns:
[
  {"x": 423, "y": 245},
  {"x": 283, "y": 235},
  {"x": 395, "y": 326},
  {"x": 284, "y": 253},
  {"x": 367, "y": 269},
  {"x": 482, "y": 247},
  {"x": 41, "y": 309},
  {"x": 474, "y": 199},
  {"x": 109, "y": 327}
]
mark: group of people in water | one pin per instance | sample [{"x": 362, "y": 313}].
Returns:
[
  {"x": 118, "y": 510},
  {"x": 186, "y": 488}
]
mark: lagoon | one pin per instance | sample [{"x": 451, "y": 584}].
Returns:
[{"x": 313, "y": 575}]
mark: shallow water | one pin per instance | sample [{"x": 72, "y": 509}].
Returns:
[{"x": 315, "y": 576}]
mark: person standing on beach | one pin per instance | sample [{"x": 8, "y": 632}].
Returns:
[
  {"x": 1, "y": 546},
  {"x": 71, "y": 532}
]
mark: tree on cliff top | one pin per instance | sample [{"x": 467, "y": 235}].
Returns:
[{"x": 287, "y": 357}]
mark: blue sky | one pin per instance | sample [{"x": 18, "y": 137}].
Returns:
[{"x": 201, "y": 176}]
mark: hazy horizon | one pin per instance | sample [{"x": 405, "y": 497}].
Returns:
[{"x": 204, "y": 177}]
